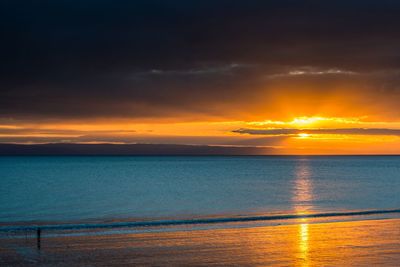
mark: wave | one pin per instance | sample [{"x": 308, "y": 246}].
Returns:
[{"x": 219, "y": 220}]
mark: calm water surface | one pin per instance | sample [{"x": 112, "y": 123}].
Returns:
[{"x": 76, "y": 188}]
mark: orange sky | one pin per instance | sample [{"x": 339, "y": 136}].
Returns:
[
  {"x": 297, "y": 136},
  {"x": 289, "y": 116}
]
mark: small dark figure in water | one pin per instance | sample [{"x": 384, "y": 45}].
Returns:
[{"x": 38, "y": 238}]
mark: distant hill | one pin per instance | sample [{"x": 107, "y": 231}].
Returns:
[{"x": 128, "y": 149}]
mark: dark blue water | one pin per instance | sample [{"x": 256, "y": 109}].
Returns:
[{"x": 78, "y": 188}]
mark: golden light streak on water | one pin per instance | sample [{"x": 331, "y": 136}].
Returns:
[
  {"x": 302, "y": 187},
  {"x": 304, "y": 244},
  {"x": 302, "y": 203}
]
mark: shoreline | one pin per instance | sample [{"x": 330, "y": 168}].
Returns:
[
  {"x": 305, "y": 243},
  {"x": 202, "y": 223}
]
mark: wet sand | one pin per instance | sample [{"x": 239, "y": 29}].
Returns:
[{"x": 351, "y": 243}]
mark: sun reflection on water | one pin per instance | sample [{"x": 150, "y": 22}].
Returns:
[
  {"x": 302, "y": 190},
  {"x": 302, "y": 203},
  {"x": 303, "y": 243}
]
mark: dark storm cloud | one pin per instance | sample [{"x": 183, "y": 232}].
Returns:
[
  {"x": 344, "y": 131},
  {"x": 161, "y": 58}
]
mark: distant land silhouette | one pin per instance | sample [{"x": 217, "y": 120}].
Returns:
[{"x": 128, "y": 149}]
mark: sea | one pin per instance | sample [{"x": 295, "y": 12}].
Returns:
[{"x": 108, "y": 188}]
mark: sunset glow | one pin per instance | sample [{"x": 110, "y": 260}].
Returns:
[{"x": 300, "y": 135}]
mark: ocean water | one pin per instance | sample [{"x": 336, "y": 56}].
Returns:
[{"x": 100, "y": 188}]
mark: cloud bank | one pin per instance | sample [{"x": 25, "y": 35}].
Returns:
[
  {"x": 198, "y": 59},
  {"x": 344, "y": 131}
]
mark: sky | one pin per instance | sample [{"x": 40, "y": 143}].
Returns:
[{"x": 293, "y": 77}]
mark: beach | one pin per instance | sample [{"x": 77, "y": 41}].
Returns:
[{"x": 361, "y": 241}]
